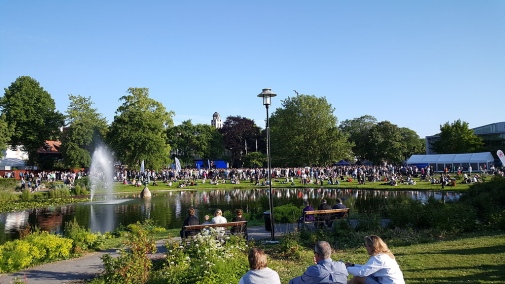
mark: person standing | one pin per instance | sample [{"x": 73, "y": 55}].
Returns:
[
  {"x": 381, "y": 268},
  {"x": 190, "y": 220},
  {"x": 325, "y": 270},
  {"x": 259, "y": 273}
]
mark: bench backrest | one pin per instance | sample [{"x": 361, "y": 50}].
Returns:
[
  {"x": 203, "y": 226},
  {"x": 329, "y": 211}
]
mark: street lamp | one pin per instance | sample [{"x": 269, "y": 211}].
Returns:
[{"x": 267, "y": 95}]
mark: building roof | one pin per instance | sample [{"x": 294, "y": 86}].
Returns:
[
  {"x": 50, "y": 147},
  {"x": 483, "y": 157}
]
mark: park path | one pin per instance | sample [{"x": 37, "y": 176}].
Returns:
[{"x": 78, "y": 270}]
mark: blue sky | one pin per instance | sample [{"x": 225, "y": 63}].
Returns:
[{"x": 417, "y": 64}]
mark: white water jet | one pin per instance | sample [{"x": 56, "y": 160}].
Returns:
[{"x": 101, "y": 172}]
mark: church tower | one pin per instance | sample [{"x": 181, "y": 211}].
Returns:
[{"x": 216, "y": 121}]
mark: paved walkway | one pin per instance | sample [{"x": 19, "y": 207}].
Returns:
[{"x": 87, "y": 267}]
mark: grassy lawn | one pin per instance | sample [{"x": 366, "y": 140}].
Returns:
[
  {"x": 472, "y": 259},
  {"x": 420, "y": 185}
]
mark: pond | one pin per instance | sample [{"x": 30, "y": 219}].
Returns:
[{"x": 168, "y": 209}]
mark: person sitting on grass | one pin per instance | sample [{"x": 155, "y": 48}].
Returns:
[
  {"x": 259, "y": 272},
  {"x": 325, "y": 270},
  {"x": 381, "y": 267}
]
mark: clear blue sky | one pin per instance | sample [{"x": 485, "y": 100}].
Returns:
[{"x": 417, "y": 64}]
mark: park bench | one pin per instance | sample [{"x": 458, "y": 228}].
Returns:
[
  {"x": 323, "y": 218},
  {"x": 238, "y": 227}
]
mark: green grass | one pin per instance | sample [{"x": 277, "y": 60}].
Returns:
[
  {"x": 420, "y": 185},
  {"x": 470, "y": 259}
]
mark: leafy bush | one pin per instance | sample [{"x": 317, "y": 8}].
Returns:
[
  {"x": 26, "y": 195},
  {"x": 8, "y": 196},
  {"x": 59, "y": 191},
  {"x": 287, "y": 213},
  {"x": 82, "y": 237},
  {"x": 133, "y": 265},
  {"x": 80, "y": 190},
  {"x": 434, "y": 214},
  {"x": 36, "y": 248},
  {"x": 488, "y": 200},
  {"x": 7, "y": 183},
  {"x": 204, "y": 259}
]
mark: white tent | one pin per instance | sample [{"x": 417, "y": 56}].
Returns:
[{"x": 452, "y": 161}]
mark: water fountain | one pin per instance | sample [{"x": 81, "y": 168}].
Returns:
[{"x": 101, "y": 172}]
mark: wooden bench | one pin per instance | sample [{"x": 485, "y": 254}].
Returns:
[
  {"x": 323, "y": 218},
  {"x": 241, "y": 227}
]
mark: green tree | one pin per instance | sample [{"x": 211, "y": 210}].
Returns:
[
  {"x": 412, "y": 143},
  {"x": 5, "y": 133},
  {"x": 358, "y": 131},
  {"x": 85, "y": 129},
  {"x": 188, "y": 141},
  {"x": 238, "y": 133},
  {"x": 385, "y": 143},
  {"x": 31, "y": 113},
  {"x": 304, "y": 132},
  {"x": 457, "y": 138},
  {"x": 139, "y": 131}
]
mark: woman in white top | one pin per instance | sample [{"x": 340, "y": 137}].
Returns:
[
  {"x": 381, "y": 268},
  {"x": 219, "y": 219}
]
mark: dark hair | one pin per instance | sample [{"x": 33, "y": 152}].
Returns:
[
  {"x": 191, "y": 211},
  {"x": 239, "y": 212}
]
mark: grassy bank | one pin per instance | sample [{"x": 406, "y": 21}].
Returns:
[{"x": 465, "y": 259}]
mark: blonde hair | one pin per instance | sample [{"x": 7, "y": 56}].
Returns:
[
  {"x": 257, "y": 258},
  {"x": 378, "y": 246}
]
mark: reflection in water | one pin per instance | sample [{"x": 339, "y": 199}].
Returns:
[{"x": 169, "y": 209}]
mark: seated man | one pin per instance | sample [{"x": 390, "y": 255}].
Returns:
[
  {"x": 325, "y": 269},
  {"x": 190, "y": 220},
  {"x": 339, "y": 205}
]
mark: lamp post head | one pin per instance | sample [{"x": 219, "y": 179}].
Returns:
[{"x": 267, "y": 94}]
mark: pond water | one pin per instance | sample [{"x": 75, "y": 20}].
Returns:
[{"x": 168, "y": 209}]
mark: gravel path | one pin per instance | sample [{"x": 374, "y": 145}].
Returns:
[{"x": 84, "y": 268}]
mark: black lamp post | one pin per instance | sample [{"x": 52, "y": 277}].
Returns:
[{"x": 267, "y": 94}]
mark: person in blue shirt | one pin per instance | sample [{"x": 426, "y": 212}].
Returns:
[{"x": 325, "y": 270}]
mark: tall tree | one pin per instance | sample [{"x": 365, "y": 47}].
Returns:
[
  {"x": 5, "y": 133},
  {"x": 84, "y": 129},
  {"x": 304, "y": 132},
  {"x": 239, "y": 136},
  {"x": 188, "y": 140},
  {"x": 457, "y": 138},
  {"x": 139, "y": 130},
  {"x": 358, "y": 131},
  {"x": 412, "y": 143},
  {"x": 31, "y": 113},
  {"x": 385, "y": 143}
]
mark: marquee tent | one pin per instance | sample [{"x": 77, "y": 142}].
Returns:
[{"x": 452, "y": 161}]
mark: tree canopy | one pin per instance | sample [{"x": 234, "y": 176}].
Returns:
[
  {"x": 240, "y": 135},
  {"x": 84, "y": 130},
  {"x": 188, "y": 140},
  {"x": 139, "y": 130},
  {"x": 31, "y": 113},
  {"x": 304, "y": 132},
  {"x": 457, "y": 138}
]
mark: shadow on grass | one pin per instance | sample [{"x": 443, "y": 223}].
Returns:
[{"x": 489, "y": 274}]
